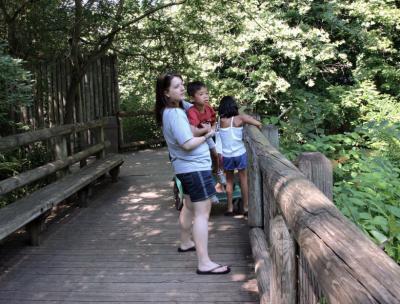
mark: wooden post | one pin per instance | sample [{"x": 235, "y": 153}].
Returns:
[
  {"x": 111, "y": 134},
  {"x": 61, "y": 152},
  {"x": 34, "y": 229},
  {"x": 255, "y": 218},
  {"x": 283, "y": 260},
  {"x": 262, "y": 263},
  {"x": 100, "y": 137},
  {"x": 272, "y": 134},
  {"x": 318, "y": 169},
  {"x": 114, "y": 172},
  {"x": 269, "y": 206},
  {"x": 121, "y": 140},
  {"x": 83, "y": 195}
]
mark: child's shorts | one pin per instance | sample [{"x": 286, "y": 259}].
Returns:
[
  {"x": 198, "y": 185},
  {"x": 236, "y": 162}
]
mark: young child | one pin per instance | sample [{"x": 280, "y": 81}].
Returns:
[
  {"x": 202, "y": 115},
  {"x": 233, "y": 149}
]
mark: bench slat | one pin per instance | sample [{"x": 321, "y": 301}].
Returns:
[{"x": 21, "y": 212}]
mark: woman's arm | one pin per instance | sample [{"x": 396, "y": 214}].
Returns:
[
  {"x": 200, "y": 131},
  {"x": 196, "y": 141},
  {"x": 247, "y": 119}
]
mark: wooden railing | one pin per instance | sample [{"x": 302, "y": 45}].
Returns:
[
  {"x": 32, "y": 209},
  {"x": 305, "y": 250},
  {"x": 134, "y": 139}
]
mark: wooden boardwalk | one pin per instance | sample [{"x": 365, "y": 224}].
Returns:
[{"x": 123, "y": 249}]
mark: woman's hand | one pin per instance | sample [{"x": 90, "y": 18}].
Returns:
[{"x": 197, "y": 141}]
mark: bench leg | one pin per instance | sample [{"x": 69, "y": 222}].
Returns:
[
  {"x": 34, "y": 229},
  {"x": 114, "y": 172},
  {"x": 83, "y": 197}
]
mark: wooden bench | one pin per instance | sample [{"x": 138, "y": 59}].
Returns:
[{"x": 31, "y": 210}]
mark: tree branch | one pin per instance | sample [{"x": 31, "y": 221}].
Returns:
[
  {"x": 117, "y": 29},
  {"x": 22, "y": 7},
  {"x": 4, "y": 10}
]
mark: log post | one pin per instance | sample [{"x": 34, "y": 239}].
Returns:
[
  {"x": 256, "y": 212},
  {"x": 262, "y": 263},
  {"x": 272, "y": 134},
  {"x": 283, "y": 260},
  {"x": 270, "y": 209},
  {"x": 318, "y": 169}
]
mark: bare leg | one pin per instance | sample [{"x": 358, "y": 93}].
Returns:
[
  {"x": 200, "y": 235},
  {"x": 229, "y": 189},
  {"x": 215, "y": 160},
  {"x": 185, "y": 221},
  {"x": 244, "y": 189}
]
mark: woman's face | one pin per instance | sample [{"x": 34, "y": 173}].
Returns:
[{"x": 176, "y": 91}]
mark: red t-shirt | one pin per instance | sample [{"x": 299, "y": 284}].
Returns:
[{"x": 196, "y": 118}]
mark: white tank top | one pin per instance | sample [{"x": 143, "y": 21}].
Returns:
[{"x": 232, "y": 141}]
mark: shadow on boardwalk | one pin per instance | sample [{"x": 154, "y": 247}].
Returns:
[{"x": 123, "y": 249}]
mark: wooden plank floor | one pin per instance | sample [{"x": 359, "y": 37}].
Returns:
[{"x": 123, "y": 249}]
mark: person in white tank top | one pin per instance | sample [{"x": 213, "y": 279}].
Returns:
[{"x": 233, "y": 150}]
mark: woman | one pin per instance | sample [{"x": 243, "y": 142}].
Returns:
[{"x": 190, "y": 158}]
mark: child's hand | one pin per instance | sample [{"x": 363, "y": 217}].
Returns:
[
  {"x": 206, "y": 127},
  {"x": 209, "y": 134}
]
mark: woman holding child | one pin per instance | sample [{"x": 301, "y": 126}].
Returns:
[{"x": 190, "y": 158}]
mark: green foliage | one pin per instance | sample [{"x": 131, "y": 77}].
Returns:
[
  {"x": 366, "y": 177},
  {"x": 14, "y": 162},
  {"x": 15, "y": 88},
  {"x": 371, "y": 198}
]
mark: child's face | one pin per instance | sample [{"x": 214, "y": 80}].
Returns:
[{"x": 201, "y": 96}]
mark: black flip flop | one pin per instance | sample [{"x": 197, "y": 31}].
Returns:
[
  {"x": 212, "y": 271},
  {"x": 187, "y": 250}
]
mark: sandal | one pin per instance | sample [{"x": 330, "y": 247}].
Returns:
[
  {"x": 187, "y": 250},
  {"x": 212, "y": 271}
]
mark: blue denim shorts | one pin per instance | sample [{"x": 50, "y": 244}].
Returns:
[
  {"x": 198, "y": 185},
  {"x": 236, "y": 162}
]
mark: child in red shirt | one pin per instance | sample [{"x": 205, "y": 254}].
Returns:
[{"x": 202, "y": 116}]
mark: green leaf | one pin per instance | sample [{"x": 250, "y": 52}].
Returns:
[{"x": 380, "y": 237}]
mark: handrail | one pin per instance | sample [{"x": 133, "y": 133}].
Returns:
[
  {"x": 32, "y": 175},
  {"x": 14, "y": 141},
  {"x": 349, "y": 267}
]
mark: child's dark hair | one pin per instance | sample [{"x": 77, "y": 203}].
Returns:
[
  {"x": 228, "y": 107},
  {"x": 194, "y": 86}
]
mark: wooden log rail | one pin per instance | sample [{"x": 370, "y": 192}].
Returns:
[
  {"x": 307, "y": 237},
  {"x": 32, "y": 209}
]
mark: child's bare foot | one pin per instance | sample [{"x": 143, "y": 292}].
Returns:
[{"x": 219, "y": 188}]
